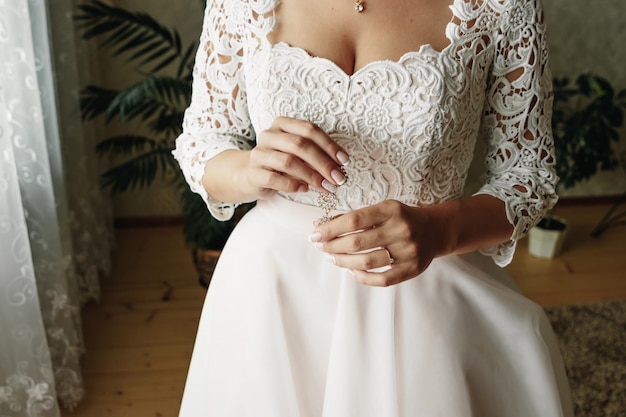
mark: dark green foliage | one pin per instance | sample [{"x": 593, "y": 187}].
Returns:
[
  {"x": 133, "y": 32},
  {"x": 585, "y": 120},
  {"x": 157, "y": 102},
  {"x": 201, "y": 228}
]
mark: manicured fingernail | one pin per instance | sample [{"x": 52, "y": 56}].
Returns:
[
  {"x": 303, "y": 188},
  {"x": 319, "y": 245},
  {"x": 329, "y": 186},
  {"x": 315, "y": 237},
  {"x": 343, "y": 158},
  {"x": 330, "y": 259},
  {"x": 338, "y": 176}
]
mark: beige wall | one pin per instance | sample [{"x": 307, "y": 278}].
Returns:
[{"x": 583, "y": 36}]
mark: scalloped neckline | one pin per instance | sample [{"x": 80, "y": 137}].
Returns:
[{"x": 424, "y": 49}]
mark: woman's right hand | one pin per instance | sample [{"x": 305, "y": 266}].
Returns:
[{"x": 291, "y": 156}]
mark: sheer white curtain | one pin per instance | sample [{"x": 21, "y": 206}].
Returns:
[{"x": 55, "y": 234}]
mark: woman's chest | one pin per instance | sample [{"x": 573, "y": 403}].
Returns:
[{"x": 383, "y": 30}]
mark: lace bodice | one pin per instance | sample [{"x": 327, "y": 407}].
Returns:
[{"x": 409, "y": 126}]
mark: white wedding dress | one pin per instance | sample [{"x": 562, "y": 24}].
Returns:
[{"x": 284, "y": 333}]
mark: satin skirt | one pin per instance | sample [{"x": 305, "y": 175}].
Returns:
[{"x": 284, "y": 333}]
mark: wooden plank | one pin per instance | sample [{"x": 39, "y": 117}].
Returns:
[
  {"x": 129, "y": 387},
  {"x": 130, "y": 359},
  {"x": 128, "y": 407},
  {"x": 114, "y": 327},
  {"x": 150, "y": 296}
]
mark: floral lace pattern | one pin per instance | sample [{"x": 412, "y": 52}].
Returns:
[{"x": 410, "y": 125}]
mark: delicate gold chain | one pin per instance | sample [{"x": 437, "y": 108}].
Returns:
[{"x": 329, "y": 201}]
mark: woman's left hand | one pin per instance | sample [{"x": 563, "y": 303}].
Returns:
[{"x": 389, "y": 234}]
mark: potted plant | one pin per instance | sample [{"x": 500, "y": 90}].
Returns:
[
  {"x": 585, "y": 119},
  {"x": 157, "y": 101}
]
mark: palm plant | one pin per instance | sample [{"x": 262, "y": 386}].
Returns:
[{"x": 157, "y": 101}]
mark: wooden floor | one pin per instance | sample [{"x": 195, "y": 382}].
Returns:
[{"x": 139, "y": 337}]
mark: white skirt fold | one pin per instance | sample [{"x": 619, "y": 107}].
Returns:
[{"x": 284, "y": 333}]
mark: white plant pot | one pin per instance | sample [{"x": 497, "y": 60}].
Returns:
[{"x": 546, "y": 243}]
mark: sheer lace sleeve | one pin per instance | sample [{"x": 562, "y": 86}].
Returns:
[
  {"x": 517, "y": 124},
  {"x": 217, "y": 118}
]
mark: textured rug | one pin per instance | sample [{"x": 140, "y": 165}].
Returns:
[{"x": 592, "y": 338}]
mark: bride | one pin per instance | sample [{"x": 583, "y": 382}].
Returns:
[{"x": 364, "y": 282}]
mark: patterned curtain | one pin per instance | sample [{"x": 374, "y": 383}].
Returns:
[{"x": 55, "y": 226}]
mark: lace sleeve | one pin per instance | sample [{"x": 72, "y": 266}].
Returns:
[
  {"x": 517, "y": 124},
  {"x": 217, "y": 118}
]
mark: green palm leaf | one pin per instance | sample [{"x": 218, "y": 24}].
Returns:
[
  {"x": 95, "y": 101},
  {"x": 138, "y": 172},
  {"x": 168, "y": 123},
  {"x": 125, "y": 145},
  {"x": 131, "y": 32},
  {"x": 157, "y": 101},
  {"x": 144, "y": 99}
]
